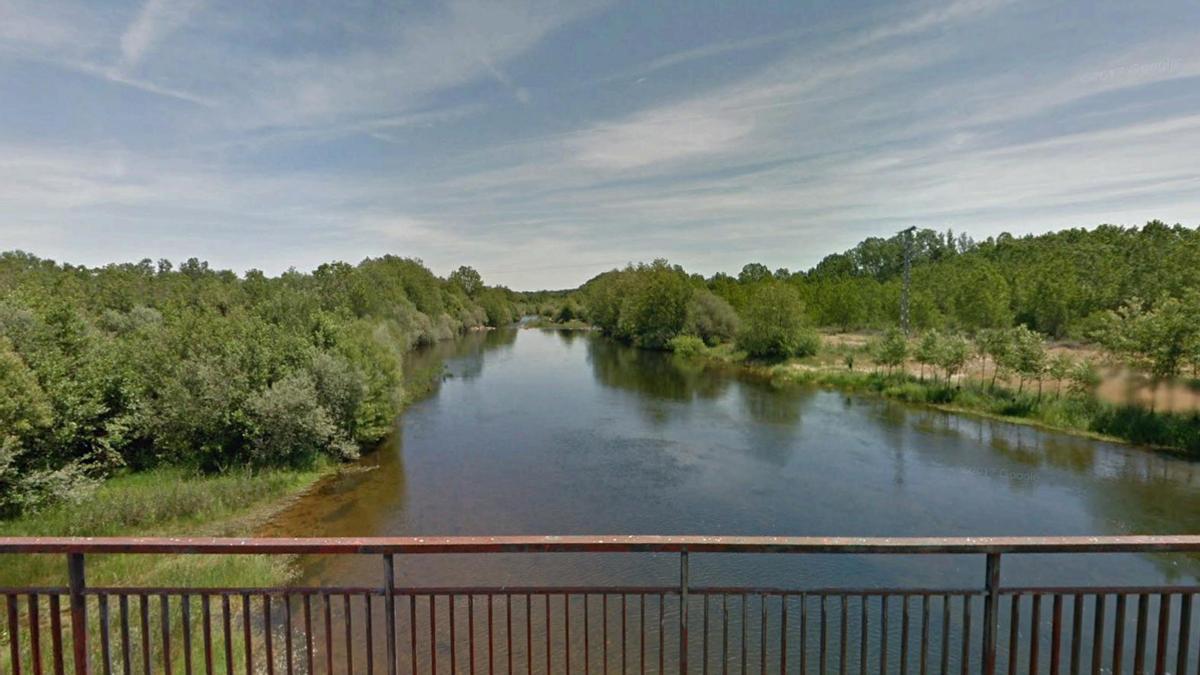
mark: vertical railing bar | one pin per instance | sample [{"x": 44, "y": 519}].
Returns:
[
  {"x": 529, "y": 634},
  {"x": 491, "y": 638},
  {"x": 641, "y": 636},
  {"x": 1076, "y": 632},
  {"x": 206, "y": 634},
  {"x": 567, "y": 631},
  {"x": 864, "y": 622},
  {"x": 348, "y": 611},
  {"x": 288, "y": 661},
  {"x": 945, "y": 665},
  {"x": 1099, "y": 601},
  {"x": 508, "y": 637},
  {"x": 453, "y": 600},
  {"x": 1056, "y": 635},
  {"x": 226, "y": 624},
  {"x": 1185, "y": 633},
  {"x": 389, "y": 607},
  {"x": 1118, "y": 657},
  {"x": 1035, "y": 628},
  {"x": 883, "y": 633},
  {"x": 804, "y": 655},
  {"x": 844, "y": 637},
  {"x": 783, "y": 641},
  {"x": 75, "y": 574},
  {"x": 247, "y": 634},
  {"x": 14, "y": 634},
  {"x": 991, "y": 608},
  {"x": 905, "y": 636},
  {"x": 35, "y": 633},
  {"x": 823, "y": 645},
  {"x": 966, "y": 634},
  {"x": 56, "y": 633},
  {"x": 164, "y": 619},
  {"x": 105, "y": 638},
  {"x": 745, "y": 636},
  {"x": 762, "y": 635},
  {"x": 144, "y": 609},
  {"x": 724, "y": 634},
  {"x": 1014, "y": 633},
  {"x": 683, "y": 611},
  {"x": 268, "y": 634},
  {"x": 412, "y": 632},
  {"x": 1139, "y": 645},
  {"x": 704, "y": 641},
  {"x": 308, "y": 635},
  {"x": 604, "y": 632},
  {"x": 783, "y": 634},
  {"x": 1164, "y": 622},
  {"x": 186, "y": 609},
  {"x": 549, "y": 663},
  {"x": 587, "y": 634},
  {"x": 924, "y": 658},
  {"x": 624, "y": 632},
  {"x": 327, "y": 611},
  {"x": 369, "y": 627}
]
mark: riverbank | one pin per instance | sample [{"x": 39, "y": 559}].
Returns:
[
  {"x": 1054, "y": 410},
  {"x": 165, "y": 502}
]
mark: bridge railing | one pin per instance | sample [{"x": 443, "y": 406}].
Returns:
[{"x": 675, "y": 628}]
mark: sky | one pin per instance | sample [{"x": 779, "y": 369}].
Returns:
[{"x": 545, "y": 142}]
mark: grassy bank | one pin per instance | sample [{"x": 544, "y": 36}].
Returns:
[
  {"x": 1060, "y": 411},
  {"x": 164, "y": 502}
]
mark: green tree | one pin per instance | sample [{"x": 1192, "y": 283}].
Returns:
[
  {"x": 468, "y": 280},
  {"x": 710, "y": 318},
  {"x": 952, "y": 355},
  {"x": 773, "y": 324},
  {"x": 892, "y": 349},
  {"x": 927, "y": 351}
]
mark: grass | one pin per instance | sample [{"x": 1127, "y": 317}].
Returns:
[
  {"x": 163, "y": 502},
  {"x": 1083, "y": 415},
  {"x": 158, "y": 502}
]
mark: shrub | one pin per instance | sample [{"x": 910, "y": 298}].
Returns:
[
  {"x": 288, "y": 425},
  {"x": 773, "y": 324},
  {"x": 711, "y": 318},
  {"x": 687, "y": 345}
]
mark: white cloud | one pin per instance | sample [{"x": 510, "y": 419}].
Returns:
[{"x": 156, "y": 20}]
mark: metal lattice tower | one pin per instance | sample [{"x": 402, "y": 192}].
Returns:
[{"x": 904, "y": 291}]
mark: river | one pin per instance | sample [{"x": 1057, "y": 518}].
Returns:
[{"x": 546, "y": 432}]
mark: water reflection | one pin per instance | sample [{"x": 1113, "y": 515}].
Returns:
[{"x": 550, "y": 432}]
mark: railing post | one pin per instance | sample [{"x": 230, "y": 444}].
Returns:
[
  {"x": 683, "y": 612},
  {"x": 78, "y": 612},
  {"x": 991, "y": 609},
  {"x": 389, "y": 606}
]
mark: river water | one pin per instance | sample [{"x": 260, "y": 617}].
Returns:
[{"x": 545, "y": 432}]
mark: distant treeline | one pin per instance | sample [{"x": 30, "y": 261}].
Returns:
[
  {"x": 145, "y": 364},
  {"x": 1062, "y": 284}
]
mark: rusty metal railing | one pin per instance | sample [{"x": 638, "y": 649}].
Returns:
[{"x": 680, "y": 627}]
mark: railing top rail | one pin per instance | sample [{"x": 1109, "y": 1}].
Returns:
[{"x": 601, "y": 544}]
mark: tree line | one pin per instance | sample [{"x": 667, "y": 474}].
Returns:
[{"x": 146, "y": 364}]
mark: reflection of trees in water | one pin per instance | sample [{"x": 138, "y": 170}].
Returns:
[
  {"x": 1132, "y": 491},
  {"x": 427, "y": 366},
  {"x": 777, "y": 413},
  {"x": 657, "y": 375}
]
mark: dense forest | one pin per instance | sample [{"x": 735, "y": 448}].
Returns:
[
  {"x": 141, "y": 365},
  {"x": 1059, "y": 284}
]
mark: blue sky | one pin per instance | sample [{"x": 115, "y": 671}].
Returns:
[{"x": 544, "y": 142}]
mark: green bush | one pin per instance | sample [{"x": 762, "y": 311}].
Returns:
[
  {"x": 711, "y": 318},
  {"x": 687, "y": 345},
  {"x": 773, "y": 324}
]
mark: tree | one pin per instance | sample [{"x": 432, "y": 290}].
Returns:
[
  {"x": 892, "y": 349},
  {"x": 710, "y": 318},
  {"x": 952, "y": 354},
  {"x": 995, "y": 343},
  {"x": 1028, "y": 356},
  {"x": 928, "y": 349},
  {"x": 753, "y": 273},
  {"x": 773, "y": 324},
  {"x": 1059, "y": 368},
  {"x": 468, "y": 280}
]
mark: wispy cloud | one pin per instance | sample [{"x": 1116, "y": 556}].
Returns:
[{"x": 154, "y": 23}]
